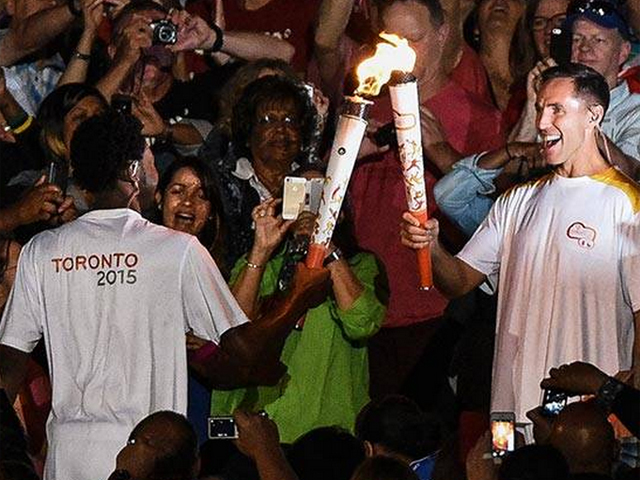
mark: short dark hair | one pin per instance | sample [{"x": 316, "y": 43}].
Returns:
[
  {"x": 398, "y": 424},
  {"x": 55, "y": 107},
  {"x": 434, "y": 6},
  {"x": 384, "y": 468},
  {"x": 534, "y": 462},
  {"x": 273, "y": 88},
  {"x": 588, "y": 84},
  {"x": 180, "y": 457},
  {"x": 103, "y": 147},
  {"x": 326, "y": 452}
]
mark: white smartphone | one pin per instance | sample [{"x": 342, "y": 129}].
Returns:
[{"x": 301, "y": 194}]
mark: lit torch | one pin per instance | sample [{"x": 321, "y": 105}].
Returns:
[
  {"x": 372, "y": 73},
  {"x": 406, "y": 117}
]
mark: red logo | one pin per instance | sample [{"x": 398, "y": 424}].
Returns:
[{"x": 585, "y": 236}]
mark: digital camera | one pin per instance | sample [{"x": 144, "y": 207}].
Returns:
[{"x": 165, "y": 32}]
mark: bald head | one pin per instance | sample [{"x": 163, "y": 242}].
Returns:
[{"x": 585, "y": 437}]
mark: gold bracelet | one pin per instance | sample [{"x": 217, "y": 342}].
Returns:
[
  {"x": 254, "y": 266},
  {"x": 27, "y": 123}
]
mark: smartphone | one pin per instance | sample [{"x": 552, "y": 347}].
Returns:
[
  {"x": 503, "y": 433},
  {"x": 560, "y": 45},
  {"x": 121, "y": 103},
  {"x": 553, "y": 402},
  {"x": 222, "y": 428},
  {"x": 386, "y": 135},
  {"x": 293, "y": 197},
  {"x": 58, "y": 174},
  {"x": 299, "y": 195}
]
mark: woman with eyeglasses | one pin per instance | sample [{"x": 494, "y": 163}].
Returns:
[
  {"x": 541, "y": 17},
  {"x": 273, "y": 129}
]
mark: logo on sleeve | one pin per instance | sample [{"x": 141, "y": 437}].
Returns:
[{"x": 585, "y": 236}]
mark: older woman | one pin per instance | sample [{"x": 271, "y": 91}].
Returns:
[
  {"x": 326, "y": 357},
  {"x": 273, "y": 132}
]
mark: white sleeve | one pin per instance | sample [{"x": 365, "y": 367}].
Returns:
[
  {"x": 483, "y": 251},
  {"x": 631, "y": 262},
  {"x": 21, "y": 324},
  {"x": 209, "y": 306}
]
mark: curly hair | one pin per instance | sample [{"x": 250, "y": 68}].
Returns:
[
  {"x": 103, "y": 147},
  {"x": 232, "y": 90},
  {"x": 277, "y": 89}
]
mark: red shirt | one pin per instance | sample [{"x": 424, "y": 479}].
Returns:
[
  {"x": 291, "y": 20},
  {"x": 471, "y": 74},
  {"x": 377, "y": 196}
]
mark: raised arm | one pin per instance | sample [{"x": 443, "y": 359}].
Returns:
[
  {"x": 29, "y": 33},
  {"x": 195, "y": 34},
  {"x": 332, "y": 23}
]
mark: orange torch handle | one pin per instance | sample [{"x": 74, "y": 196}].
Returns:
[
  {"x": 315, "y": 256},
  {"x": 424, "y": 256}
]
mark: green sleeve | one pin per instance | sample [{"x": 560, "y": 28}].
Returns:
[{"x": 367, "y": 313}]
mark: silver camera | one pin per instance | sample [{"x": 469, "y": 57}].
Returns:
[{"x": 165, "y": 32}]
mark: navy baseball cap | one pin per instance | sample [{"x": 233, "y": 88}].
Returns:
[{"x": 600, "y": 12}]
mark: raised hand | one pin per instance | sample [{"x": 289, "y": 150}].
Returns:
[
  {"x": 270, "y": 230},
  {"x": 193, "y": 32}
]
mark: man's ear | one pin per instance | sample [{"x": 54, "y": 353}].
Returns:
[
  {"x": 369, "y": 451},
  {"x": 158, "y": 198},
  {"x": 596, "y": 112},
  {"x": 443, "y": 33},
  {"x": 625, "y": 51}
]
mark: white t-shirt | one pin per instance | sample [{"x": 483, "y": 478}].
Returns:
[
  {"x": 113, "y": 295},
  {"x": 566, "y": 252}
]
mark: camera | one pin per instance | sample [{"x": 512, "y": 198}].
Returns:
[
  {"x": 165, "y": 32},
  {"x": 223, "y": 427},
  {"x": 121, "y": 103}
]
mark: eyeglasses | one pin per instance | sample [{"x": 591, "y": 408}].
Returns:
[
  {"x": 270, "y": 119},
  {"x": 541, "y": 23}
]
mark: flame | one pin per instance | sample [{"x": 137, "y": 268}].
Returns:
[{"x": 393, "y": 54}]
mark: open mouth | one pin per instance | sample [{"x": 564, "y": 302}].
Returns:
[
  {"x": 548, "y": 141},
  {"x": 185, "y": 217}
]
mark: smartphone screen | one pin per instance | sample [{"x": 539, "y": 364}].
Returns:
[
  {"x": 503, "y": 434},
  {"x": 222, "y": 428},
  {"x": 553, "y": 402}
]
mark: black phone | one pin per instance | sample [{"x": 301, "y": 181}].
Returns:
[
  {"x": 121, "y": 103},
  {"x": 560, "y": 46},
  {"x": 386, "y": 135},
  {"x": 553, "y": 402},
  {"x": 58, "y": 174}
]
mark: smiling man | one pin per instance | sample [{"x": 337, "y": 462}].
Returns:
[{"x": 561, "y": 250}]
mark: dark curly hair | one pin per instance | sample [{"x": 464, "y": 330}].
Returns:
[
  {"x": 103, "y": 147},
  {"x": 273, "y": 88}
]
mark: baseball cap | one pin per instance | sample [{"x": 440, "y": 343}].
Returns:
[{"x": 600, "y": 12}]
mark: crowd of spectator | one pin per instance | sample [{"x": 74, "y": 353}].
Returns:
[{"x": 158, "y": 320}]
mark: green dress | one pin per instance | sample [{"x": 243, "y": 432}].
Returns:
[{"x": 327, "y": 380}]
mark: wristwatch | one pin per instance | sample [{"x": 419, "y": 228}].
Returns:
[{"x": 333, "y": 256}]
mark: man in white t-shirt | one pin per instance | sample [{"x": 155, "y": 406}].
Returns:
[
  {"x": 113, "y": 295},
  {"x": 564, "y": 252}
]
